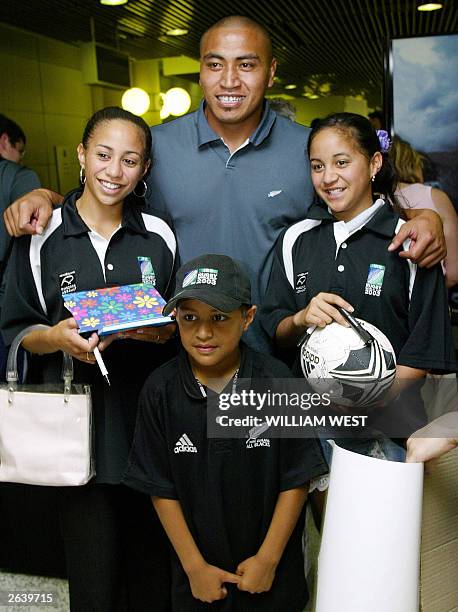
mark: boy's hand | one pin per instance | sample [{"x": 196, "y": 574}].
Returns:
[
  {"x": 207, "y": 583},
  {"x": 321, "y": 310},
  {"x": 256, "y": 575}
]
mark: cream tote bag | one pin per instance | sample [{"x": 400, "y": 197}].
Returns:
[{"x": 45, "y": 430}]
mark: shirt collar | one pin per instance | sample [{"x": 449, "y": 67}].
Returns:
[
  {"x": 189, "y": 381},
  {"x": 74, "y": 225},
  {"x": 205, "y": 134},
  {"x": 383, "y": 221}
]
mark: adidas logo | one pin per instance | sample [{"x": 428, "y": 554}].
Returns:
[{"x": 184, "y": 445}]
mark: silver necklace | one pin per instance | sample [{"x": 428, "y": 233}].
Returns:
[{"x": 234, "y": 384}]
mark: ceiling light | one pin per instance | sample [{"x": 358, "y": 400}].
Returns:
[
  {"x": 177, "y": 32},
  {"x": 177, "y": 101},
  {"x": 135, "y": 100},
  {"x": 291, "y": 86},
  {"x": 113, "y": 2},
  {"x": 429, "y": 6}
]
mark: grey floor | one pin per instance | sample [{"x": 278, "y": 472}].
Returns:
[
  {"x": 58, "y": 587},
  {"x": 21, "y": 583}
]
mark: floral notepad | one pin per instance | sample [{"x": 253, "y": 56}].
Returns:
[{"x": 114, "y": 309}]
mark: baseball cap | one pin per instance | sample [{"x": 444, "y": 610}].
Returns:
[{"x": 217, "y": 280}]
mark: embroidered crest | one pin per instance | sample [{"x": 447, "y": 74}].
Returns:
[
  {"x": 147, "y": 270},
  {"x": 201, "y": 276},
  {"x": 67, "y": 282},
  {"x": 374, "y": 280},
  {"x": 301, "y": 282}
]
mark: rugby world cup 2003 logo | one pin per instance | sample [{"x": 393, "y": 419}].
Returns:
[{"x": 374, "y": 280}]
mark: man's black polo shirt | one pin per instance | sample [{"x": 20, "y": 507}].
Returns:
[
  {"x": 407, "y": 303},
  {"x": 67, "y": 257},
  {"x": 227, "y": 491}
]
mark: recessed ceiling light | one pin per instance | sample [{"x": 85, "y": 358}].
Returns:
[
  {"x": 177, "y": 32},
  {"x": 113, "y": 2},
  {"x": 291, "y": 86},
  {"x": 429, "y": 6}
]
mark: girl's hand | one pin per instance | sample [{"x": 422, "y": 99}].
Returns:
[
  {"x": 256, "y": 575},
  {"x": 65, "y": 337},
  {"x": 207, "y": 583},
  {"x": 321, "y": 310}
]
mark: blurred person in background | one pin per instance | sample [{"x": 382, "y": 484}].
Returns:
[
  {"x": 283, "y": 108},
  {"x": 377, "y": 120},
  {"x": 413, "y": 193},
  {"x": 15, "y": 181}
]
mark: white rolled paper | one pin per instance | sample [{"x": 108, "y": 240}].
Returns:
[{"x": 369, "y": 559}]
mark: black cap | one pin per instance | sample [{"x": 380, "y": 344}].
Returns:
[{"x": 217, "y": 280}]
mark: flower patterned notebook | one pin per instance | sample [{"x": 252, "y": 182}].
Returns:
[{"x": 114, "y": 309}]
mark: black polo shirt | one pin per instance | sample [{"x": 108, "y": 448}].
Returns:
[
  {"x": 227, "y": 491},
  {"x": 69, "y": 257},
  {"x": 407, "y": 303}
]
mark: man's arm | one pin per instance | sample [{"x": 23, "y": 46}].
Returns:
[
  {"x": 31, "y": 213},
  {"x": 206, "y": 581},
  {"x": 258, "y": 572},
  {"x": 426, "y": 233}
]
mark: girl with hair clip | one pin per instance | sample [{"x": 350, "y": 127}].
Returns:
[
  {"x": 116, "y": 552},
  {"x": 327, "y": 261}
]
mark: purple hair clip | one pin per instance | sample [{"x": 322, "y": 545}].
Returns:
[{"x": 385, "y": 142}]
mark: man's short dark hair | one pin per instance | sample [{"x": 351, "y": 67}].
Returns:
[
  {"x": 12, "y": 130},
  {"x": 241, "y": 21}
]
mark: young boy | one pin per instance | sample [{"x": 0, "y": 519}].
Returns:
[{"x": 230, "y": 508}]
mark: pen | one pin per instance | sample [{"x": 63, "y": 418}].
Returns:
[
  {"x": 103, "y": 369},
  {"x": 365, "y": 336},
  {"x": 306, "y": 336}
]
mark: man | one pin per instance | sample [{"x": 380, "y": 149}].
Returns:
[
  {"x": 12, "y": 140},
  {"x": 15, "y": 181},
  {"x": 233, "y": 174},
  {"x": 377, "y": 120}
]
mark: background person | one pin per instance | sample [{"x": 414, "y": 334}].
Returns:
[
  {"x": 434, "y": 440},
  {"x": 377, "y": 120},
  {"x": 233, "y": 174},
  {"x": 283, "y": 108},
  {"x": 116, "y": 552},
  {"x": 412, "y": 193},
  {"x": 15, "y": 181}
]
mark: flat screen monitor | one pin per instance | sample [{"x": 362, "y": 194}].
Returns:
[{"x": 422, "y": 101}]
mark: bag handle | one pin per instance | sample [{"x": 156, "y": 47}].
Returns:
[{"x": 12, "y": 376}]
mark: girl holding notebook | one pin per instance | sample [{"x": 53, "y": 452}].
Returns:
[{"x": 98, "y": 238}]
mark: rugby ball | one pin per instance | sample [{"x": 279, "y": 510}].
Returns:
[{"x": 335, "y": 359}]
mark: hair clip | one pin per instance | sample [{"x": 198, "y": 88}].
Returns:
[{"x": 384, "y": 140}]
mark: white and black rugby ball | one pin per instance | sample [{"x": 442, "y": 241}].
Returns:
[{"x": 335, "y": 359}]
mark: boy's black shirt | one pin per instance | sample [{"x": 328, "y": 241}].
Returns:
[{"x": 227, "y": 491}]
